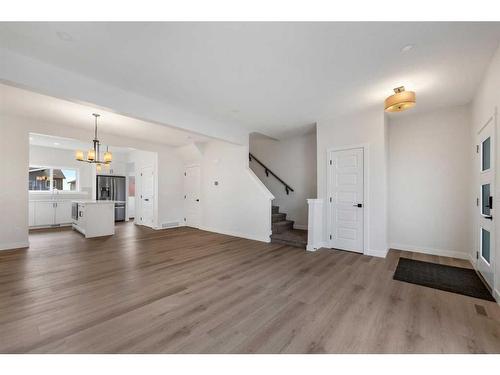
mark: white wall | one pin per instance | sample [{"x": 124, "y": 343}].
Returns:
[
  {"x": 14, "y": 144},
  {"x": 14, "y": 200},
  {"x": 367, "y": 128},
  {"x": 294, "y": 161},
  {"x": 239, "y": 204},
  {"x": 430, "y": 182},
  {"x": 486, "y": 102}
]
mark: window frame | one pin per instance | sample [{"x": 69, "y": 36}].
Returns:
[{"x": 51, "y": 188}]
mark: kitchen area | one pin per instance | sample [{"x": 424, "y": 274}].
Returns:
[{"x": 66, "y": 189}]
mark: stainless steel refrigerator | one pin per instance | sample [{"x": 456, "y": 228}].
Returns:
[{"x": 112, "y": 188}]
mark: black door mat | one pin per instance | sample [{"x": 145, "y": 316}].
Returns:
[{"x": 438, "y": 276}]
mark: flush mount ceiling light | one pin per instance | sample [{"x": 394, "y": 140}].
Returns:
[
  {"x": 93, "y": 154},
  {"x": 64, "y": 36},
  {"x": 407, "y": 48},
  {"x": 400, "y": 101}
]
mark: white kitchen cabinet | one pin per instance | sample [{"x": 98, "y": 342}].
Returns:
[
  {"x": 47, "y": 213},
  {"x": 63, "y": 212},
  {"x": 44, "y": 213}
]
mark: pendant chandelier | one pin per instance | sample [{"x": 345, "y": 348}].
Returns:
[
  {"x": 93, "y": 155},
  {"x": 400, "y": 101}
]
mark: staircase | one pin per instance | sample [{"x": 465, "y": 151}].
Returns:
[{"x": 283, "y": 232}]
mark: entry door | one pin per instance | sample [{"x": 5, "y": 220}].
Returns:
[
  {"x": 485, "y": 207},
  {"x": 346, "y": 201},
  {"x": 147, "y": 196},
  {"x": 192, "y": 196}
]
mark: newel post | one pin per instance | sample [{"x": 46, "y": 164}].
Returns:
[{"x": 314, "y": 224}]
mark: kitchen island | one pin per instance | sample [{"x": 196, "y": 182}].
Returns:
[{"x": 94, "y": 218}]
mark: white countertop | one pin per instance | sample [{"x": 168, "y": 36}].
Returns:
[{"x": 88, "y": 201}]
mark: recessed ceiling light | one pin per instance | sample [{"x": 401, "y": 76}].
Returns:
[
  {"x": 64, "y": 36},
  {"x": 57, "y": 144},
  {"x": 407, "y": 48}
]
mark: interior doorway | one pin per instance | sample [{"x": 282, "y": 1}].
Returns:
[
  {"x": 192, "y": 178},
  {"x": 146, "y": 197},
  {"x": 485, "y": 256},
  {"x": 345, "y": 205}
]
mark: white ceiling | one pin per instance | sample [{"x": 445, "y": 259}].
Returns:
[
  {"x": 274, "y": 78},
  {"x": 51, "y": 141},
  {"x": 50, "y": 110}
]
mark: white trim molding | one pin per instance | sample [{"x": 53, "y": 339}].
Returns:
[
  {"x": 237, "y": 234},
  {"x": 300, "y": 226},
  {"x": 431, "y": 251},
  {"x": 376, "y": 253},
  {"x": 496, "y": 295},
  {"x": 315, "y": 224},
  {"x": 14, "y": 245}
]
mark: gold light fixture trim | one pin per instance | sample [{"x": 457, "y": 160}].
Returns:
[
  {"x": 93, "y": 155},
  {"x": 400, "y": 101}
]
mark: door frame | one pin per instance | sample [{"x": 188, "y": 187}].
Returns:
[
  {"x": 193, "y": 165},
  {"x": 138, "y": 193},
  {"x": 366, "y": 192},
  {"x": 477, "y": 189}
]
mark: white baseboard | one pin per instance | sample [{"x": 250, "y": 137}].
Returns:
[
  {"x": 14, "y": 245},
  {"x": 431, "y": 251},
  {"x": 376, "y": 253},
  {"x": 315, "y": 246},
  {"x": 300, "y": 226},
  {"x": 472, "y": 260},
  {"x": 237, "y": 234},
  {"x": 50, "y": 226}
]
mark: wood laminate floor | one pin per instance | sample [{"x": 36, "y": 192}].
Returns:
[{"x": 188, "y": 291}]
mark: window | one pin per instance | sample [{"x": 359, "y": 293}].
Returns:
[
  {"x": 52, "y": 179},
  {"x": 39, "y": 179},
  {"x": 485, "y": 245},
  {"x": 486, "y": 154},
  {"x": 485, "y": 199}
]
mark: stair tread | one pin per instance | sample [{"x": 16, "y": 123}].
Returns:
[
  {"x": 292, "y": 235},
  {"x": 278, "y": 217},
  {"x": 283, "y": 222}
]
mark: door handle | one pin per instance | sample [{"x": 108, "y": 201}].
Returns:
[
  {"x": 488, "y": 217},
  {"x": 197, "y": 200},
  {"x": 146, "y": 199},
  {"x": 358, "y": 205}
]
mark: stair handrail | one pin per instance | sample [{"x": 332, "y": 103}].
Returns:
[{"x": 288, "y": 188}]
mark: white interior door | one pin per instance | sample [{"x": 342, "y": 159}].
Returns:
[
  {"x": 346, "y": 199},
  {"x": 485, "y": 208},
  {"x": 147, "y": 197},
  {"x": 192, "y": 196}
]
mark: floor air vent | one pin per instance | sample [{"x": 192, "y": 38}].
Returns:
[{"x": 172, "y": 224}]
